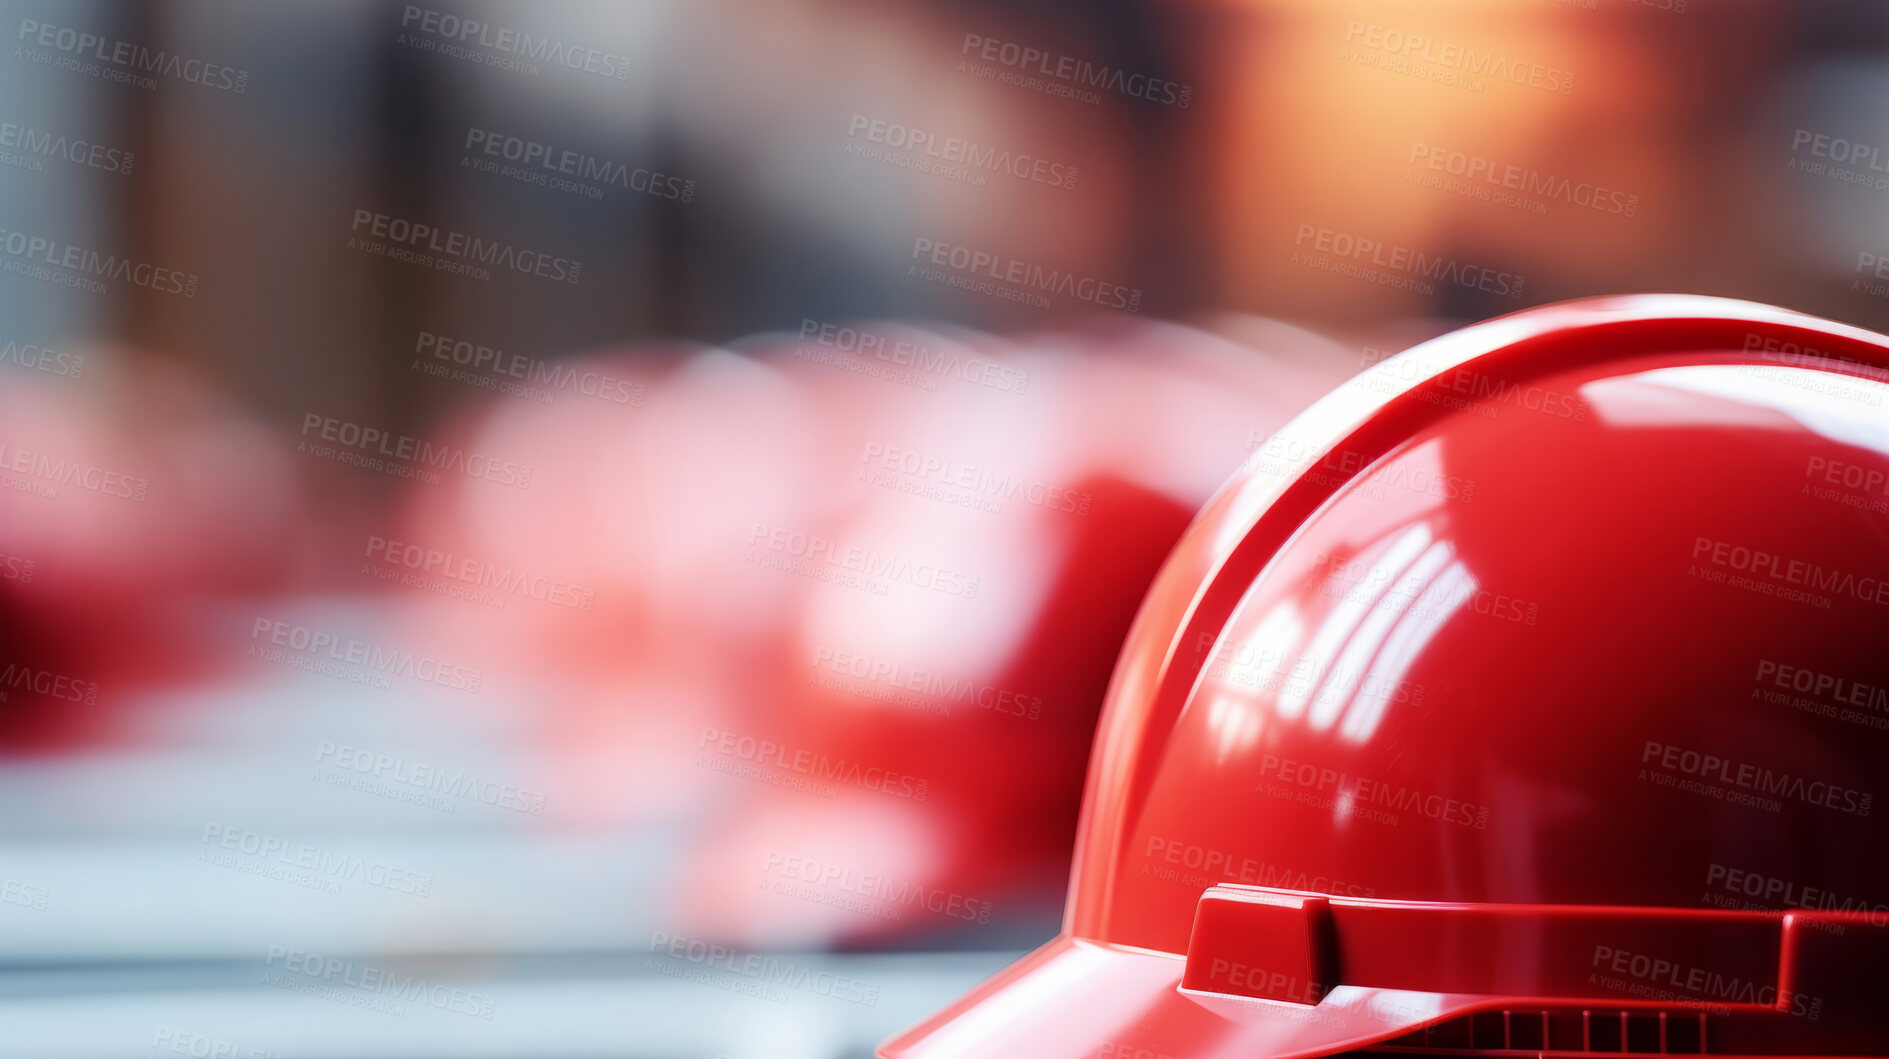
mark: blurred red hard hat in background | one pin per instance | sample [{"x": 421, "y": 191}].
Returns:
[
  {"x": 857, "y": 592},
  {"x": 134, "y": 499}
]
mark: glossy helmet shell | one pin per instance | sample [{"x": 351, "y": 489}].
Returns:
[{"x": 1583, "y": 606}]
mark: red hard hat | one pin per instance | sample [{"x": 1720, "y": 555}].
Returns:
[{"x": 1529, "y": 694}]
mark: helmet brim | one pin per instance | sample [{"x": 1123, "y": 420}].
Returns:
[{"x": 1074, "y": 998}]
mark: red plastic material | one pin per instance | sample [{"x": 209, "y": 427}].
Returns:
[
  {"x": 1568, "y": 626},
  {"x": 1294, "y": 947},
  {"x": 1270, "y": 944}
]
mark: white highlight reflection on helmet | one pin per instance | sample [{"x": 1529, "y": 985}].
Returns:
[
  {"x": 1439, "y": 601},
  {"x": 1350, "y": 611}
]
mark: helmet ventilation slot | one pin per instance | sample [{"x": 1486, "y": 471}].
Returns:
[{"x": 1559, "y": 1033}]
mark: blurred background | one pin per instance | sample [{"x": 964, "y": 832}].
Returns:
[{"x": 582, "y": 529}]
